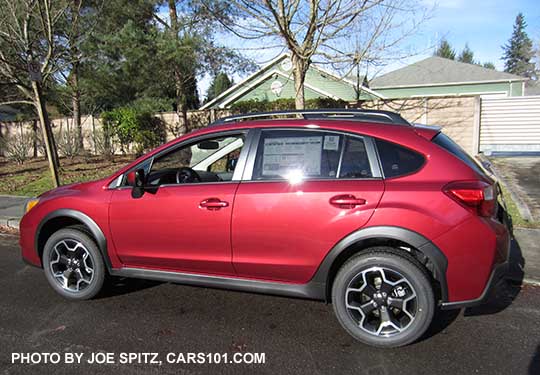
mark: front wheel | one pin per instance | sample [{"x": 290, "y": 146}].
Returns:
[
  {"x": 73, "y": 264},
  {"x": 383, "y": 298}
]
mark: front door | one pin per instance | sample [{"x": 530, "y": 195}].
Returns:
[
  {"x": 307, "y": 190},
  {"x": 183, "y": 222}
]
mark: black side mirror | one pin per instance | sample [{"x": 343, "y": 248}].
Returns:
[{"x": 139, "y": 180}]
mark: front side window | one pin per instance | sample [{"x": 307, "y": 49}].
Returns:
[
  {"x": 299, "y": 154},
  {"x": 209, "y": 160}
]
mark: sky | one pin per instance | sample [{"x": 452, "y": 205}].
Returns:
[{"x": 486, "y": 25}]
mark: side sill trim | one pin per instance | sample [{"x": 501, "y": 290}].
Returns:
[{"x": 311, "y": 290}]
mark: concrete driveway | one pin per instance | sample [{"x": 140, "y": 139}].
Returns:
[{"x": 523, "y": 174}]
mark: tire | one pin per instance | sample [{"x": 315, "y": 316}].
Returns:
[
  {"x": 396, "y": 319},
  {"x": 71, "y": 252}
]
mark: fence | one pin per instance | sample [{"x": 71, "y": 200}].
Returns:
[{"x": 458, "y": 116}]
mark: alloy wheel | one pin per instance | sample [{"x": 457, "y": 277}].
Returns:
[
  {"x": 381, "y": 301},
  {"x": 71, "y": 265}
]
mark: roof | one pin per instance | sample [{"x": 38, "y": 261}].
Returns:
[
  {"x": 332, "y": 86},
  {"x": 437, "y": 70}
]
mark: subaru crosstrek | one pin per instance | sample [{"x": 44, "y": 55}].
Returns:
[{"x": 386, "y": 220}]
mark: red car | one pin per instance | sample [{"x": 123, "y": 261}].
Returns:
[{"x": 386, "y": 220}]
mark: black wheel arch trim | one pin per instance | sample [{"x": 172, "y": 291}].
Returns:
[
  {"x": 414, "y": 239},
  {"x": 92, "y": 226}
]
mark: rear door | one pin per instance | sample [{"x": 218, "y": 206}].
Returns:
[{"x": 303, "y": 190}]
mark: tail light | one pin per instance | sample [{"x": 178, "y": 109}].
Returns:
[{"x": 478, "y": 196}]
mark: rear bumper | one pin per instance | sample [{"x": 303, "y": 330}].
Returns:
[{"x": 497, "y": 275}]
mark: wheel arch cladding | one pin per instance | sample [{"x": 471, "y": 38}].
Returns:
[
  {"x": 63, "y": 218},
  {"x": 429, "y": 255}
]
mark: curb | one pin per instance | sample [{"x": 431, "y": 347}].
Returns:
[{"x": 10, "y": 222}]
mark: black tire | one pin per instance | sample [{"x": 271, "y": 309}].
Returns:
[
  {"x": 88, "y": 290},
  {"x": 394, "y": 261}
]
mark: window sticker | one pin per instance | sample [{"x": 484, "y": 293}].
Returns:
[
  {"x": 331, "y": 142},
  {"x": 283, "y": 155}
]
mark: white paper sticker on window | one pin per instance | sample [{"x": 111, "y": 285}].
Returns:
[
  {"x": 283, "y": 155},
  {"x": 331, "y": 142}
]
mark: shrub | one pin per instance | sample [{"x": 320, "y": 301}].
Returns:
[
  {"x": 132, "y": 127},
  {"x": 255, "y": 105},
  {"x": 17, "y": 147},
  {"x": 67, "y": 143}
]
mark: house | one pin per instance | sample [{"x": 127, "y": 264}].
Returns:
[
  {"x": 275, "y": 81},
  {"x": 437, "y": 76}
]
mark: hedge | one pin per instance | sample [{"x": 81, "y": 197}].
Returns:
[{"x": 255, "y": 105}]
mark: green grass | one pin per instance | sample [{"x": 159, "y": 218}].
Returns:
[
  {"x": 33, "y": 177},
  {"x": 517, "y": 219}
]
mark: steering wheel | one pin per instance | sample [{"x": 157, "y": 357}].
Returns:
[{"x": 187, "y": 175}]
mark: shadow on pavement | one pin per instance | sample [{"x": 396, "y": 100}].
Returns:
[
  {"x": 442, "y": 320},
  {"x": 534, "y": 367},
  {"x": 508, "y": 289},
  {"x": 117, "y": 286}
]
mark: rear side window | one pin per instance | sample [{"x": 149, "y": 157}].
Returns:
[
  {"x": 397, "y": 160},
  {"x": 452, "y": 147},
  {"x": 286, "y": 154}
]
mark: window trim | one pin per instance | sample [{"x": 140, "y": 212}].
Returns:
[
  {"x": 238, "y": 171},
  {"x": 376, "y": 173}
]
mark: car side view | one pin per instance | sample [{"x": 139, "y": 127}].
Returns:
[{"x": 386, "y": 220}]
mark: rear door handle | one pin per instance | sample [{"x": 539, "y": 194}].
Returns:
[
  {"x": 346, "y": 201},
  {"x": 213, "y": 204}
]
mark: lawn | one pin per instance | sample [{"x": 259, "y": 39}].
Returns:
[{"x": 33, "y": 177}]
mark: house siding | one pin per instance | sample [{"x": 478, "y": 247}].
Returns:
[{"x": 510, "y": 88}]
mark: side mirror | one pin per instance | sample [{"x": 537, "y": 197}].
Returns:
[{"x": 137, "y": 179}]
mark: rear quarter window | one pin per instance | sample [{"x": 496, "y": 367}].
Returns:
[
  {"x": 397, "y": 160},
  {"x": 452, "y": 147}
]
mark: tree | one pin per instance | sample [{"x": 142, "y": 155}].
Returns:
[
  {"x": 30, "y": 51},
  {"x": 220, "y": 83},
  {"x": 467, "y": 55},
  {"x": 187, "y": 48},
  {"x": 518, "y": 52},
  {"x": 445, "y": 50},
  {"x": 489, "y": 65},
  {"x": 306, "y": 28}
]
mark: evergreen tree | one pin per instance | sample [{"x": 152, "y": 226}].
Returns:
[
  {"x": 518, "y": 53},
  {"x": 489, "y": 65},
  {"x": 445, "y": 50},
  {"x": 467, "y": 55},
  {"x": 220, "y": 83}
]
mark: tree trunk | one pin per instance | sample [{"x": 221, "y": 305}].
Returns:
[
  {"x": 299, "y": 73},
  {"x": 48, "y": 138},
  {"x": 76, "y": 106},
  {"x": 35, "y": 138}
]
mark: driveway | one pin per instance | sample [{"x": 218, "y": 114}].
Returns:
[
  {"x": 297, "y": 336},
  {"x": 523, "y": 173}
]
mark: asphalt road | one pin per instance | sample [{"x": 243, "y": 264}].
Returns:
[{"x": 296, "y": 336}]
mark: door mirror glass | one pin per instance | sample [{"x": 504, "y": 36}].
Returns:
[{"x": 139, "y": 179}]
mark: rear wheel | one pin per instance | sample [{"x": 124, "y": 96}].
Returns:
[
  {"x": 383, "y": 297},
  {"x": 73, "y": 264}
]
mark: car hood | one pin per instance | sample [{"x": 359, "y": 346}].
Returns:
[{"x": 72, "y": 189}]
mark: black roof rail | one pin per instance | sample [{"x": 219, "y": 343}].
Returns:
[{"x": 308, "y": 114}]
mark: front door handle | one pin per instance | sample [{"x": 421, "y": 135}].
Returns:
[
  {"x": 213, "y": 204},
  {"x": 346, "y": 201}
]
